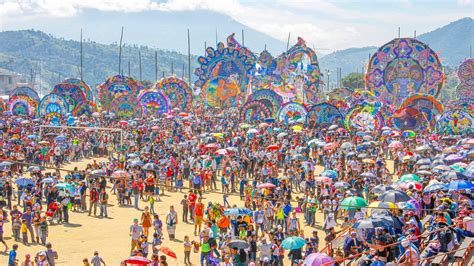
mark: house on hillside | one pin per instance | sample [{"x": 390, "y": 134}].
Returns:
[{"x": 9, "y": 80}]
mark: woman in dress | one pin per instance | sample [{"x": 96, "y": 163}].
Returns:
[
  {"x": 146, "y": 220},
  {"x": 171, "y": 222}
]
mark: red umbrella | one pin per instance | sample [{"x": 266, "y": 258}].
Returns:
[
  {"x": 266, "y": 185},
  {"x": 183, "y": 114},
  {"x": 323, "y": 179},
  {"x": 155, "y": 127},
  {"x": 273, "y": 148},
  {"x": 415, "y": 185},
  {"x": 138, "y": 260},
  {"x": 167, "y": 251},
  {"x": 470, "y": 141},
  {"x": 211, "y": 146},
  {"x": 123, "y": 122},
  {"x": 341, "y": 130}
]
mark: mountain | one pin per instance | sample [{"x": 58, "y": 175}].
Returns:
[
  {"x": 155, "y": 29},
  {"x": 38, "y": 54},
  {"x": 452, "y": 43}
]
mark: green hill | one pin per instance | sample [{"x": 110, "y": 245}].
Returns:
[{"x": 54, "y": 59}]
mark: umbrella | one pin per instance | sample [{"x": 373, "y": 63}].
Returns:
[
  {"x": 409, "y": 177},
  {"x": 394, "y": 196},
  {"x": 408, "y": 133},
  {"x": 380, "y": 189},
  {"x": 329, "y": 173},
  {"x": 370, "y": 223},
  {"x": 395, "y": 144},
  {"x": 282, "y": 134},
  {"x": 341, "y": 184},
  {"x": 329, "y": 146},
  {"x": 252, "y": 131},
  {"x": 123, "y": 122},
  {"x": 323, "y": 179},
  {"x": 32, "y": 136},
  {"x": 412, "y": 185},
  {"x": 457, "y": 168},
  {"x": 266, "y": 185},
  {"x": 99, "y": 172},
  {"x": 120, "y": 174},
  {"x": 376, "y": 205},
  {"x": 183, "y": 114},
  {"x": 368, "y": 174},
  {"x": 469, "y": 172},
  {"x": 167, "y": 251},
  {"x": 293, "y": 242},
  {"x": 273, "y": 148},
  {"x": 362, "y": 155},
  {"x": 346, "y": 145},
  {"x": 297, "y": 127},
  {"x": 23, "y": 181},
  {"x": 450, "y": 175},
  {"x": 318, "y": 259},
  {"x": 422, "y": 148},
  {"x": 138, "y": 260},
  {"x": 350, "y": 154},
  {"x": 245, "y": 125},
  {"x": 423, "y": 161},
  {"x": 459, "y": 185},
  {"x": 353, "y": 203},
  {"x": 453, "y": 158},
  {"x": 313, "y": 141},
  {"x": 5, "y": 164},
  {"x": 65, "y": 186},
  {"x": 269, "y": 120},
  {"x": 135, "y": 162},
  {"x": 49, "y": 180},
  {"x": 442, "y": 168},
  {"x": 394, "y": 221},
  {"x": 367, "y": 160},
  {"x": 332, "y": 127},
  {"x": 263, "y": 125},
  {"x": 150, "y": 167},
  {"x": 132, "y": 155},
  {"x": 222, "y": 152},
  {"x": 35, "y": 168},
  {"x": 211, "y": 146},
  {"x": 423, "y": 172},
  {"x": 239, "y": 244},
  {"x": 434, "y": 187},
  {"x": 238, "y": 211}
]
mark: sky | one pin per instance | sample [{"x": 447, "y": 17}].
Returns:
[{"x": 328, "y": 25}]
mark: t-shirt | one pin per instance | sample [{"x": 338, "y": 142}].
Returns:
[
  {"x": 95, "y": 261},
  {"x": 136, "y": 230},
  {"x": 50, "y": 257},
  {"x": 12, "y": 258},
  {"x": 199, "y": 211}
]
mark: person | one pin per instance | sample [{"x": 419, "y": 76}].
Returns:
[
  {"x": 104, "y": 198},
  {"x": 93, "y": 199},
  {"x": 171, "y": 222},
  {"x": 352, "y": 245},
  {"x": 43, "y": 230},
  {"x": 198, "y": 215},
  {"x": 51, "y": 255},
  {"x": 136, "y": 231},
  {"x": 1, "y": 235},
  {"x": 28, "y": 261},
  {"x": 42, "y": 259},
  {"x": 187, "y": 250},
  {"x": 12, "y": 260},
  {"x": 146, "y": 220},
  {"x": 97, "y": 260},
  {"x": 184, "y": 203},
  {"x": 28, "y": 218},
  {"x": 24, "y": 232},
  {"x": 144, "y": 245},
  {"x": 85, "y": 262}
]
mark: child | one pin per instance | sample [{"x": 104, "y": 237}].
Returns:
[
  {"x": 225, "y": 195},
  {"x": 158, "y": 225},
  {"x": 151, "y": 200},
  {"x": 24, "y": 231},
  {"x": 156, "y": 241},
  {"x": 187, "y": 250},
  {"x": 44, "y": 230},
  {"x": 144, "y": 246},
  {"x": 16, "y": 224}
]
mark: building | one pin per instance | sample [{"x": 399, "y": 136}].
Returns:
[{"x": 9, "y": 80}]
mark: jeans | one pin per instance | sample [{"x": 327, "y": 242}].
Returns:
[
  {"x": 103, "y": 209},
  {"x": 65, "y": 214},
  {"x": 93, "y": 204},
  {"x": 135, "y": 196},
  {"x": 205, "y": 256}
]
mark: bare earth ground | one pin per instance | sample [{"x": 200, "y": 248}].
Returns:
[{"x": 109, "y": 236}]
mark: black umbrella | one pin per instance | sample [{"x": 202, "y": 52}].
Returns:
[
  {"x": 371, "y": 223},
  {"x": 150, "y": 167},
  {"x": 394, "y": 196},
  {"x": 35, "y": 168},
  {"x": 380, "y": 189},
  {"x": 239, "y": 244},
  {"x": 423, "y": 161},
  {"x": 394, "y": 221}
]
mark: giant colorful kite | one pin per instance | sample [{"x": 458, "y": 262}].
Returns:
[
  {"x": 126, "y": 106},
  {"x": 456, "y": 121},
  {"x": 254, "y": 110},
  {"x": 364, "y": 117},
  {"x": 402, "y": 67},
  {"x": 178, "y": 92},
  {"x": 154, "y": 102},
  {"x": 71, "y": 92},
  {"x": 293, "y": 112},
  {"x": 53, "y": 105},
  {"x": 270, "y": 95},
  {"x": 324, "y": 114}
]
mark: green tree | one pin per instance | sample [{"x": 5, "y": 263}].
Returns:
[{"x": 353, "y": 81}]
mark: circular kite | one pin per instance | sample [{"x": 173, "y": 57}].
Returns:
[
  {"x": 254, "y": 110},
  {"x": 456, "y": 121},
  {"x": 154, "y": 102},
  {"x": 408, "y": 118},
  {"x": 402, "y": 67},
  {"x": 84, "y": 87},
  {"x": 364, "y": 117},
  {"x": 116, "y": 86},
  {"x": 293, "y": 112},
  {"x": 428, "y": 105},
  {"x": 71, "y": 92},
  {"x": 22, "y": 104},
  {"x": 24, "y": 90},
  {"x": 2, "y": 106},
  {"x": 324, "y": 114},
  {"x": 464, "y": 91},
  {"x": 126, "y": 106},
  {"x": 85, "y": 108},
  {"x": 178, "y": 92},
  {"x": 224, "y": 75},
  {"x": 270, "y": 95},
  {"x": 53, "y": 105},
  {"x": 466, "y": 72}
]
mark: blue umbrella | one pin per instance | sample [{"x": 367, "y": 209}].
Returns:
[
  {"x": 135, "y": 162},
  {"x": 469, "y": 172},
  {"x": 238, "y": 211},
  {"x": 150, "y": 167},
  {"x": 49, "y": 180},
  {"x": 23, "y": 181},
  {"x": 32, "y": 136},
  {"x": 269, "y": 120},
  {"x": 329, "y": 173},
  {"x": 361, "y": 133},
  {"x": 66, "y": 186},
  {"x": 459, "y": 185},
  {"x": 132, "y": 155},
  {"x": 293, "y": 242},
  {"x": 60, "y": 138},
  {"x": 434, "y": 187}
]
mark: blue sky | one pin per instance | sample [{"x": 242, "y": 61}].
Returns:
[{"x": 328, "y": 25}]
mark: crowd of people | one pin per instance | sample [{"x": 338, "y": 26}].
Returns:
[{"x": 390, "y": 196}]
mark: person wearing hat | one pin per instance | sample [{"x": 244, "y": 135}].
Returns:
[
  {"x": 410, "y": 256},
  {"x": 136, "y": 231},
  {"x": 352, "y": 245}
]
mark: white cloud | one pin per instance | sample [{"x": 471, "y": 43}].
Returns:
[{"x": 466, "y": 2}]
